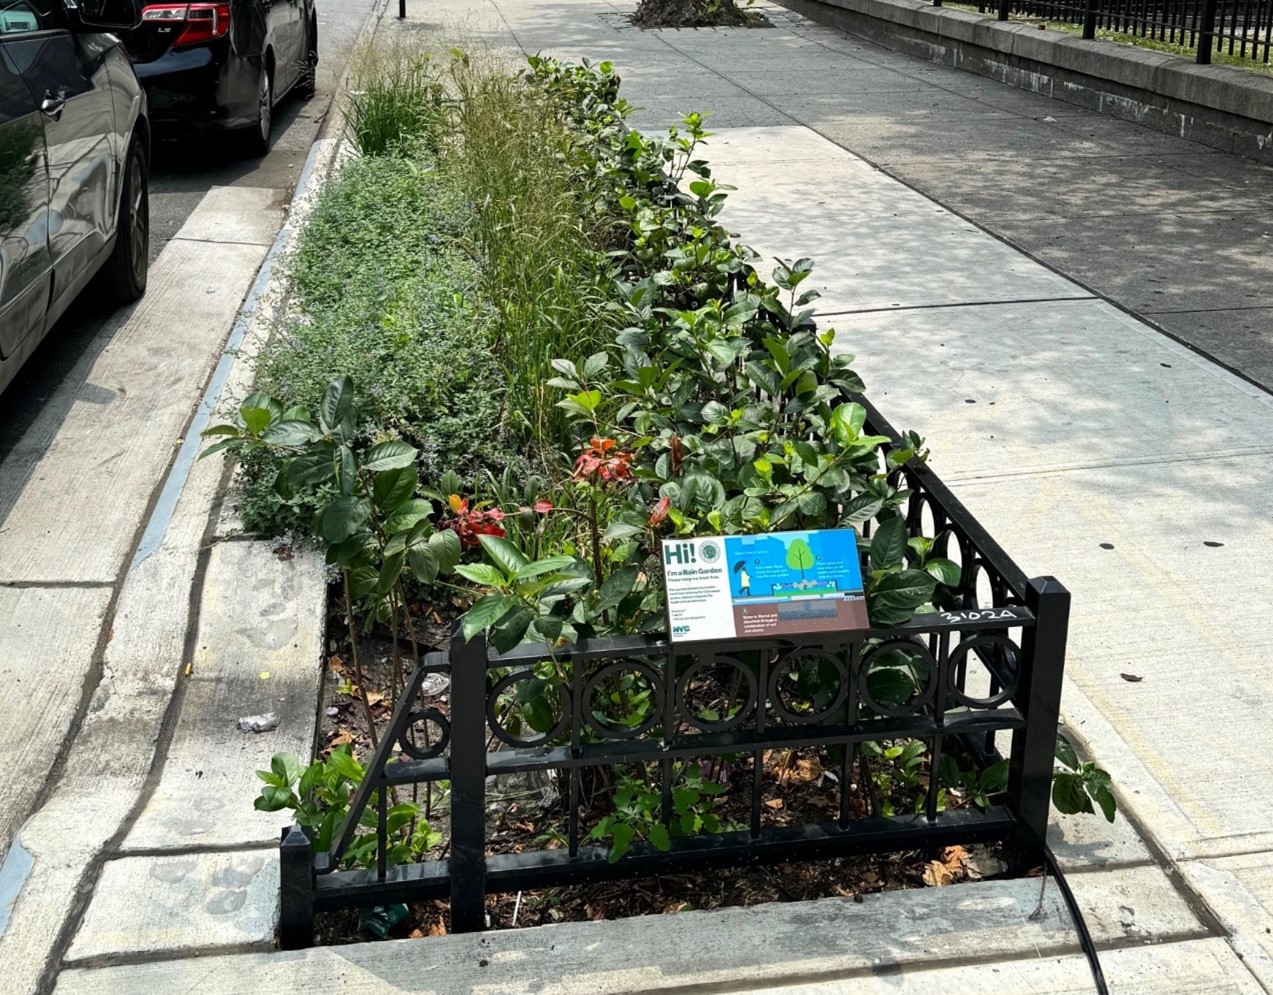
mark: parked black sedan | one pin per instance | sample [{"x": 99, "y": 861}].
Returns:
[
  {"x": 74, "y": 154},
  {"x": 225, "y": 65}
]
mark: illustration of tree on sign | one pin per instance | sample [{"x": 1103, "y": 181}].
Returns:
[{"x": 799, "y": 556}]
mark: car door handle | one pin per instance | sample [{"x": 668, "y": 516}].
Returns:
[{"x": 53, "y": 103}]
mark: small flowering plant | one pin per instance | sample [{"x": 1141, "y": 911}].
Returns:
[
  {"x": 471, "y": 523},
  {"x": 602, "y": 461}
]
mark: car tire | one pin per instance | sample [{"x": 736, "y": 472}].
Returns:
[
  {"x": 256, "y": 137},
  {"x": 123, "y": 278},
  {"x": 308, "y": 82}
]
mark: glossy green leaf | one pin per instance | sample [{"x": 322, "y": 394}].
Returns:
[
  {"x": 888, "y": 545},
  {"x": 503, "y": 554}
]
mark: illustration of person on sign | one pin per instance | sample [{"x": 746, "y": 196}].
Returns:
[{"x": 744, "y": 579}]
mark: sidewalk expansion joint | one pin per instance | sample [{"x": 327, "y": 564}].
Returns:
[
  {"x": 58, "y": 585},
  {"x": 1210, "y": 456},
  {"x": 192, "y": 849},
  {"x": 155, "y": 956},
  {"x": 1213, "y": 310},
  {"x": 956, "y": 304},
  {"x": 218, "y": 241}
]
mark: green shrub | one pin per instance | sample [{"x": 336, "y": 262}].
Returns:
[{"x": 385, "y": 294}]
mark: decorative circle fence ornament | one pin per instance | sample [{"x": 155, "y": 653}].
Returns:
[
  {"x": 436, "y": 745},
  {"x": 1009, "y": 667},
  {"x": 502, "y": 733},
  {"x": 916, "y": 702},
  {"x": 782, "y": 677},
  {"x": 688, "y": 712},
  {"x": 592, "y": 687}
]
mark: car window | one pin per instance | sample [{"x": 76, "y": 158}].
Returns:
[{"x": 22, "y": 16}]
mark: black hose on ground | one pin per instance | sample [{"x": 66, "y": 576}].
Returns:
[{"x": 1080, "y": 924}]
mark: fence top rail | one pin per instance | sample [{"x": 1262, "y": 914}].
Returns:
[{"x": 927, "y": 624}]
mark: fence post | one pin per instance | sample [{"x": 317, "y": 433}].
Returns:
[
  {"x": 1005, "y": 8},
  {"x": 296, "y": 890},
  {"x": 1207, "y": 32},
  {"x": 1034, "y": 748},
  {"x": 468, "y": 784},
  {"x": 1089, "y": 19},
  {"x": 402, "y": 10}
]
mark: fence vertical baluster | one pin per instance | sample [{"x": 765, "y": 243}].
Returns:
[
  {"x": 669, "y": 732},
  {"x": 1246, "y": 29},
  {"x": 1206, "y": 36},
  {"x": 1039, "y": 696},
  {"x": 468, "y": 784},
  {"x": 296, "y": 890},
  {"x": 382, "y": 831},
  {"x": 1089, "y": 19},
  {"x": 853, "y": 659},
  {"x": 942, "y": 656},
  {"x": 576, "y": 751},
  {"x": 1005, "y": 8}
]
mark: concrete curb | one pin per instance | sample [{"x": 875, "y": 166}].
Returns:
[{"x": 1219, "y": 106}]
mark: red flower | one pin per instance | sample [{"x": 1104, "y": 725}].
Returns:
[
  {"x": 660, "y": 511},
  {"x": 468, "y": 525},
  {"x": 598, "y": 462}
]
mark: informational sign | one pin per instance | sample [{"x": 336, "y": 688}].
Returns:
[{"x": 780, "y": 583}]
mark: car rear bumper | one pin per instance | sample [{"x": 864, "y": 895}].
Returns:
[{"x": 193, "y": 89}]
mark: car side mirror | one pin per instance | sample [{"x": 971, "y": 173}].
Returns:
[{"x": 95, "y": 16}]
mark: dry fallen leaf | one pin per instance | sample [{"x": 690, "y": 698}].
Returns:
[
  {"x": 805, "y": 771},
  {"x": 416, "y": 934},
  {"x": 336, "y": 664},
  {"x": 954, "y": 857},
  {"x": 340, "y": 738},
  {"x": 774, "y": 803},
  {"x": 1133, "y": 678},
  {"x": 375, "y": 698},
  {"x": 438, "y": 929},
  {"x": 937, "y": 874}
]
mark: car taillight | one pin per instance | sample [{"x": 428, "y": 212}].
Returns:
[{"x": 197, "y": 21}]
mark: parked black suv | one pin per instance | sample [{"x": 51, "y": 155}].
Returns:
[
  {"x": 74, "y": 154},
  {"x": 225, "y": 65}
]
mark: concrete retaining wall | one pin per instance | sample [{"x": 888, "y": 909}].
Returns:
[{"x": 1226, "y": 108}]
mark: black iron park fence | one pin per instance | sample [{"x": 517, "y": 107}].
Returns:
[
  {"x": 1239, "y": 28},
  {"x": 988, "y": 669}
]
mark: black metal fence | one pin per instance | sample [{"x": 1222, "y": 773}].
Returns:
[
  {"x": 1239, "y": 28},
  {"x": 989, "y": 668}
]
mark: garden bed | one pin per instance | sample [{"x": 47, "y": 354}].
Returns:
[{"x": 544, "y": 356}]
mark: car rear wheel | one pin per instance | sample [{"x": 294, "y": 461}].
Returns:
[
  {"x": 257, "y": 136},
  {"x": 123, "y": 278},
  {"x": 308, "y": 83}
]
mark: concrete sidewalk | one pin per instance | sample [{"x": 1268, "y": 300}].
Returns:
[{"x": 1090, "y": 444}]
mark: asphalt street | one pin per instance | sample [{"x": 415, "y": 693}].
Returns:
[{"x": 182, "y": 173}]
